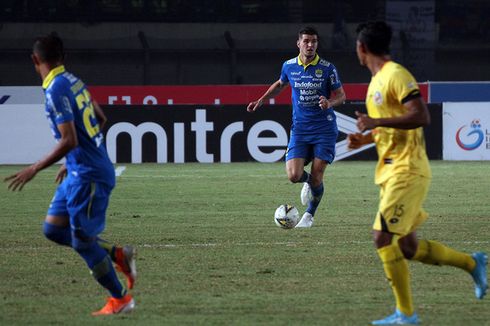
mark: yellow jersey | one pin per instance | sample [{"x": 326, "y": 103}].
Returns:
[{"x": 399, "y": 150}]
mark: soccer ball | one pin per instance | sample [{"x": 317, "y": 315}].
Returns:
[{"x": 286, "y": 216}]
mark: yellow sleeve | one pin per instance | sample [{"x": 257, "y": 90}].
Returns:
[{"x": 402, "y": 84}]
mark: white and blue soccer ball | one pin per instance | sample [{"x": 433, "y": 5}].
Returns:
[{"x": 286, "y": 216}]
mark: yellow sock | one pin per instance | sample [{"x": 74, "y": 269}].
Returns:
[
  {"x": 435, "y": 253},
  {"x": 396, "y": 270}
]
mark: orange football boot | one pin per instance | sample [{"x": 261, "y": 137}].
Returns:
[
  {"x": 116, "y": 306},
  {"x": 126, "y": 263}
]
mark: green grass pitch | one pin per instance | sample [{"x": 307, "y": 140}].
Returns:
[{"x": 210, "y": 253}]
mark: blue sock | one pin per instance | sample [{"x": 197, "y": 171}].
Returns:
[
  {"x": 60, "y": 235},
  {"x": 108, "y": 247},
  {"x": 305, "y": 177},
  {"x": 317, "y": 197},
  {"x": 100, "y": 265}
]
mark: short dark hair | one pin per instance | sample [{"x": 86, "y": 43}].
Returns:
[
  {"x": 308, "y": 30},
  {"x": 49, "y": 48},
  {"x": 376, "y": 36}
]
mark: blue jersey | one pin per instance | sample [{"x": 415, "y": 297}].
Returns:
[
  {"x": 67, "y": 99},
  {"x": 308, "y": 83}
]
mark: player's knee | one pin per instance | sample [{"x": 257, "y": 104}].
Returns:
[
  {"x": 408, "y": 245},
  {"x": 53, "y": 232},
  {"x": 294, "y": 176},
  {"x": 381, "y": 239},
  {"x": 407, "y": 250}
]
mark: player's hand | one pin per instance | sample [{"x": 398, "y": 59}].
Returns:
[
  {"x": 355, "y": 141},
  {"x": 61, "y": 174},
  {"x": 324, "y": 103},
  {"x": 253, "y": 106},
  {"x": 18, "y": 180},
  {"x": 364, "y": 122}
]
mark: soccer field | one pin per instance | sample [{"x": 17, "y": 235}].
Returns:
[{"x": 210, "y": 253}]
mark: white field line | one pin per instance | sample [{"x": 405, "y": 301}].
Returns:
[
  {"x": 194, "y": 176},
  {"x": 244, "y": 244},
  {"x": 247, "y": 244},
  {"x": 287, "y": 244}
]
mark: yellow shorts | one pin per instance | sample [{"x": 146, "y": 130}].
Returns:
[{"x": 400, "y": 206}]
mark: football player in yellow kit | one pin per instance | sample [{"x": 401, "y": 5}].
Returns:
[{"x": 396, "y": 115}]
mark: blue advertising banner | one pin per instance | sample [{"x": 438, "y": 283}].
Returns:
[{"x": 440, "y": 92}]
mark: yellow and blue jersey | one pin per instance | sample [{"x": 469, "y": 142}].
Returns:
[
  {"x": 67, "y": 99},
  {"x": 308, "y": 82},
  {"x": 399, "y": 150}
]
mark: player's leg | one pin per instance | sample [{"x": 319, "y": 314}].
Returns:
[
  {"x": 87, "y": 204},
  {"x": 397, "y": 273},
  {"x": 295, "y": 170},
  {"x": 56, "y": 225},
  {"x": 394, "y": 220},
  {"x": 57, "y": 228},
  {"x": 101, "y": 268},
  {"x": 324, "y": 154},
  {"x": 296, "y": 173},
  {"x": 297, "y": 155},
  {"x": 435, "y": 253},
  {"x": 317, "y": 171},
  {"x": 57, "y": 222},
  {"x": 125, "y": 259}
]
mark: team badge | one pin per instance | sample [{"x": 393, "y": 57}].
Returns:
[{"x": 318, "y": 73}]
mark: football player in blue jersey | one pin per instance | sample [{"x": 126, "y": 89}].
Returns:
[
  {"x": 77, "y": 211},
  {"x": 316, "y": 89}
]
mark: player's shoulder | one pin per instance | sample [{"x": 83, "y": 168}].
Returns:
[
  {"x": 397, "y": 72},
  {"x": 69, "y": 78},
  {"x": 394, "y": 68},
  {"x": 58, "y": 85},
  {"x": 325, "y": 63},
  {"x": 291, "y": 61},
  {"x": 63, "y": 83}
]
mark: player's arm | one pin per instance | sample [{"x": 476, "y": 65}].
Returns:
[
  {"x": 337, "y": 98},
  {"x": 357, "y": 140},
  {"x": 67, "y": 142},
  {"x": 417, "y": 115},
  {"x": 273, "y": 91},
  {"x": 101, "y": 118}
]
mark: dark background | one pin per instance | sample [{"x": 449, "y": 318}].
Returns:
[{"x": 188, "y": 42}]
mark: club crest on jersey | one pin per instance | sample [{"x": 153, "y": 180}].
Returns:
[
  {"x": 378, "y": 98},
  {"x": 318, "y": 73}
]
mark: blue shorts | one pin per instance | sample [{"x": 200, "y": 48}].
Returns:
[
  {"x": 85, "y": 203},
  {"x": 312, "y": 146}
]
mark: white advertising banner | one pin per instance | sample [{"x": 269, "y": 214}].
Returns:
[
  {"x": 25, "y": 134},
  {"x": 466, "y": 131},
  {"x": 21, "y": 95}
]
